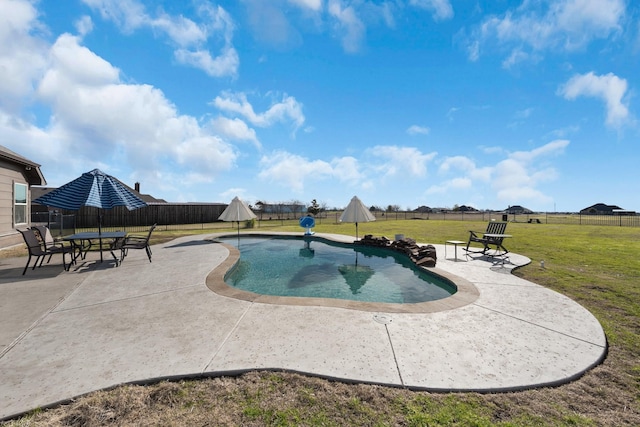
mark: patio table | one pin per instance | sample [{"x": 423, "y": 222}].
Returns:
[{"x": 82, "y": 242}]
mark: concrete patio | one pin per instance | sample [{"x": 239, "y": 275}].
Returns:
[{"x": 64, "y": 334}]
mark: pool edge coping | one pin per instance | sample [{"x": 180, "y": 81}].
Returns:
[{"x": 466, "y": 293}]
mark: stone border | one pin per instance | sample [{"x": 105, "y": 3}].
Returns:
[{"x": 466, "y": 291}]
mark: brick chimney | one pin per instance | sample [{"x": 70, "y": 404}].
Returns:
[{"x": 136, "y": 186}]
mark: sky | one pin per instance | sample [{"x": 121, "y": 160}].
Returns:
[{"x": 401, "y": 102}]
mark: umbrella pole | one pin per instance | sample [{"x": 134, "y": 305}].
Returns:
[{"x": 100, "y": 233}]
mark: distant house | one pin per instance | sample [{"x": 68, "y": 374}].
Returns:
[
  {"x": 17, "y": 175},
  {"x": 517, "y": 210},
  {"x": 601, "y": 209},
  {"x": 423, "y": 209},
  {"x": 465, "y": 208}
]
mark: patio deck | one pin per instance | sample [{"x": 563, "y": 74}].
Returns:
[{"x": 64, "y": 334}]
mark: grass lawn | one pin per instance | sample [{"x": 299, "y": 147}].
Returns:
[{"x": 596, "y": 266}]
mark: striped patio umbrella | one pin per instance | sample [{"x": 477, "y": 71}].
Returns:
[{"x": 94, "y": 188}]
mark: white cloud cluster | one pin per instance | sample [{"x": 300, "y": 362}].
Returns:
[
  {"x": 441, "y": 9},
  {"x": 610, "y": 88},
  {"x": 19, "y": 68},
  {"x": 418, "y": 130},
  {"x": 190, "y": 38},
  {"x": 348, "y": 21},
  {"x": 536, "y": 26},
  {"x": 514, "y": 179}
]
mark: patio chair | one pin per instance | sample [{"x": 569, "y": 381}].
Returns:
[
  {"x": 137, "y": 242},
  {"x": 51, "y": 245},
  {"x": 488, "y": 241},
  {"x": 37, "y": 249}
]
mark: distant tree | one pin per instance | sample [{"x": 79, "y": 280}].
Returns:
[
  {"x": 314, "y": 208},
  {"x": 259, "y": 208}
]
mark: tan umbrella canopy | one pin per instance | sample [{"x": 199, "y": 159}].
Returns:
[
  {"x": 237, "y": 211},
  {"x": 356, "y": 212}
]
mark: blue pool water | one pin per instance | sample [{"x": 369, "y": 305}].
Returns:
[{"x": 307, "y": 267}]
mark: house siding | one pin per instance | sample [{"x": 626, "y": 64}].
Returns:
[{"x": 10, "y": 173}]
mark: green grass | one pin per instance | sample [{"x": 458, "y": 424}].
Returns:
[{"x": 596, "y": 266}]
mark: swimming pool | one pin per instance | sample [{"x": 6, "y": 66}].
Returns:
[{"x": 317, "y": 268}]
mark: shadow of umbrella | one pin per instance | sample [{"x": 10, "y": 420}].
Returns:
[
  {"x": 94, "y": 188},
  {"x": 356, "y": 275}
]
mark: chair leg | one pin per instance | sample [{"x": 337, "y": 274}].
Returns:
[
  {"x": 27, "y": 266},
  {"x": 148, "y": 252}
]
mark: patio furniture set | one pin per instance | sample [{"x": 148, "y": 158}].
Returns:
[{"x": 41, "y": 244}]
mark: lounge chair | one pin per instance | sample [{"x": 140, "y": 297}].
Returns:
[
  {"x": 37, "y": 249},
  {"x": 137, "y": 242},
  {"x": 486, "y": 240}
]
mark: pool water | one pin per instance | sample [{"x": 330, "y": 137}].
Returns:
[{"x": 308, "y": 267}]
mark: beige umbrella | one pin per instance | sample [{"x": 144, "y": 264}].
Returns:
[
  {"x": 356, "y": 212},
  {"x": 237, "y": 211}
]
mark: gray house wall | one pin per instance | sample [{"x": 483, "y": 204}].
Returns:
[
  {"x": 15, "y": 169},
  {"x": 9, "y": 175}
]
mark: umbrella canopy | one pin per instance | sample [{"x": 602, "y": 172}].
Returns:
[
  {"x": 95, "y": 189},
  {"x": 356, "y": 212},
  {"x": 237, "y": 211}
]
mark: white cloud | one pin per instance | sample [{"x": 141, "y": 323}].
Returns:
[
  {"x": 219, "y": 66},
  {"x": 418, "y": 130},
  {"x": 190, "y": 37},
  {"x": 610, "y": 88},
  {"x": 84, "y": 26},
  {"x": 441, "y": 9},
  {"x": 516, "y": 178},
  {"x": 314, "y": 5},
  {"x": 565, "y": 25},
  {"x": 22, "y": 54},
  {"x": 287, "y": 109},
  {"x": 347, "y": 169},
  {"x": 401, "y": 160},
  {"x": 347, "y": 23},
  {"x": 235, "y": 129},
  {"x": 104, "y": 121},
  {"x": 460, "y": 163},
  {"x": 291, "y": 170}
]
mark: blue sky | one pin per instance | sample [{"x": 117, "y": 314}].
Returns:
[{"x": 400, "y": 102}]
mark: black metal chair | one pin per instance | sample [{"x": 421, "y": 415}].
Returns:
[
  {"x": 38, "y": 250},
  {"x": 51, "y": 245},
  {"x": 137, "y": 242},
  {"x": 488, "y": 241}
]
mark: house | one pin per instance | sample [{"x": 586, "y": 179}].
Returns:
[
  {"x": 423, "y": 209},
  {"x": 517, "y": 210},
  {"x": 17, "y": 175},
  {"x": 600, "y": 209}
]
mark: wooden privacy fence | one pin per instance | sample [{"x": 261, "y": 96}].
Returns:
[{"x": 157, "y": 213}]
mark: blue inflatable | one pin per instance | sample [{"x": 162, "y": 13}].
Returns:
[{"x": 307, "y": 222}]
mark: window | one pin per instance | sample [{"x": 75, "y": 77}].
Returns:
[{"x": 19, "y": 203}]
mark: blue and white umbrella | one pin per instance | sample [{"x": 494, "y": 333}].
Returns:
[{"x": 94, "y": 188}]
